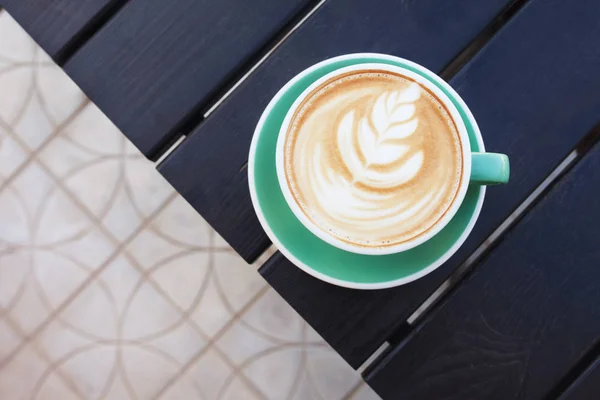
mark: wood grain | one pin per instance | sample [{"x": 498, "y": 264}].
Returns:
[
  {"x": 429, "y": 32},
  {"x": 534, "y": 95},
  {"x": 56, "y": 24},
  {"x": 523, "y": 319},
  {"x": 160, "y": 62}
]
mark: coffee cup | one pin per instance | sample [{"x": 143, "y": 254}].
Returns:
[
  {"x": 340, "y": 265},
  {"x": 375, "y": 159}
]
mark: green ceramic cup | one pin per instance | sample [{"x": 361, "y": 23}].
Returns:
[{"x": 345, "y": 267}]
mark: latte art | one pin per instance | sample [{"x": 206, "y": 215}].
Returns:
[
  {"x": 373, "y": 158},
  {"x": 377, "y": 140}
]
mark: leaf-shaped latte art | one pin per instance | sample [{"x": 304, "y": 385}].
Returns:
[
  {"x": 377, "y": 140},
  {"x": 374, "y": 163}
]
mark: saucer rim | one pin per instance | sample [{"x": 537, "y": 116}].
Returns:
[{"x": 326, "y": 278}]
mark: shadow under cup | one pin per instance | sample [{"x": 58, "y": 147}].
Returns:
[{"x": 319, "y": 258}]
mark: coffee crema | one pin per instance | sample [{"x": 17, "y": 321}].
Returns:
[{"x": 373, "y": 158}]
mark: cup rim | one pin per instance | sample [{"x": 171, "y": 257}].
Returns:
[
  {"x": 287, "y": 253},
  {"x": 433, "y": 229}
]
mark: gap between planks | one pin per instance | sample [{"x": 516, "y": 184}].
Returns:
[
  {"x": 579, "y": 370},
  {"x": 466, "y": 55},
  {"x": 576, "y": 155},
  {"x": 194, "y": 122},
  {"x": 264, "y": 58},
  {"x": 582, "y": 148},
  {"x": 88, "y": 31},
  {"x": 470, "y": 264},
  {"x": 448, "y": 72},
  {"x": 469, "y": 52},
  {"x": 490, "y": 242}
]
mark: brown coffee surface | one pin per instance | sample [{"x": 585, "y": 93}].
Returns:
[{"x": 373, "y": 158}]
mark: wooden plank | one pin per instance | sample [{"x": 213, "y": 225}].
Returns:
[
  {"x": 523, "y": 319},
  {"x": 429, "y": 32},
  {"x": 159, "y": 62},
  {"x": 56, "y": 24},
  {"x": 586, "y": 386},
  {"x": 511, "y": 87}
]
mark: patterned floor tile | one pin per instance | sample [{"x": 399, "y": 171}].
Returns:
[
  {"x": 270, "y": 345},
  {"x": 51, "y": 247},
  {"x": 29, "y": 376},
  {"x": 146, "y": 372},
  {"x": 205, "y": 279},
  {"x": 111, "y": 285},
  {"x": 9, "y": 338},
  {"x": 112, "y": 180},
  {"x": 179, "y": 226},
  {"x": 209, "y": 378},
  {"x": 122, "y": 304},
  {"x": 37, "y": 96},
  {"x": 16, "y": 46},
  {"x": 231, "y": 287},
  {"x": 39, "y": 211},
  {"x": 12, "y": 154},
  {"x": 235, "y": 280},
  {"x": 133, "y": 368}
]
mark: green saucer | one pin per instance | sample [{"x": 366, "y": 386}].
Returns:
[{"x": 313, "y": 255}]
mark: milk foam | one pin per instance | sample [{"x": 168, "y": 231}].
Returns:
[{"x": 373, "y": 158}]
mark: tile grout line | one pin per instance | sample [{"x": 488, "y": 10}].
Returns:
[
  {"x": 211, "y": 344},
  {"x": 66, "y": 379},
  {"x": 32, "y": 155},
  {"x": 210, "y": 341},
  {"x": 120, "y": 248},
  {"x": 82, "y": 206},
  {"x": 57, "y": 181},
  {"x": 75, "y": 199},
  {"x": 148, "y": 279},
  {"x": 93, "y": 275}
]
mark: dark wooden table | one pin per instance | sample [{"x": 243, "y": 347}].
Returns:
[{"x": 521, "y": 317}]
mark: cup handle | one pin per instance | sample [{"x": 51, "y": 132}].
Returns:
[{"x": 489, "y": 168}]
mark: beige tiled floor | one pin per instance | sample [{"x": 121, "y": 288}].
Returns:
[{"x": 111, "y": 286}]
